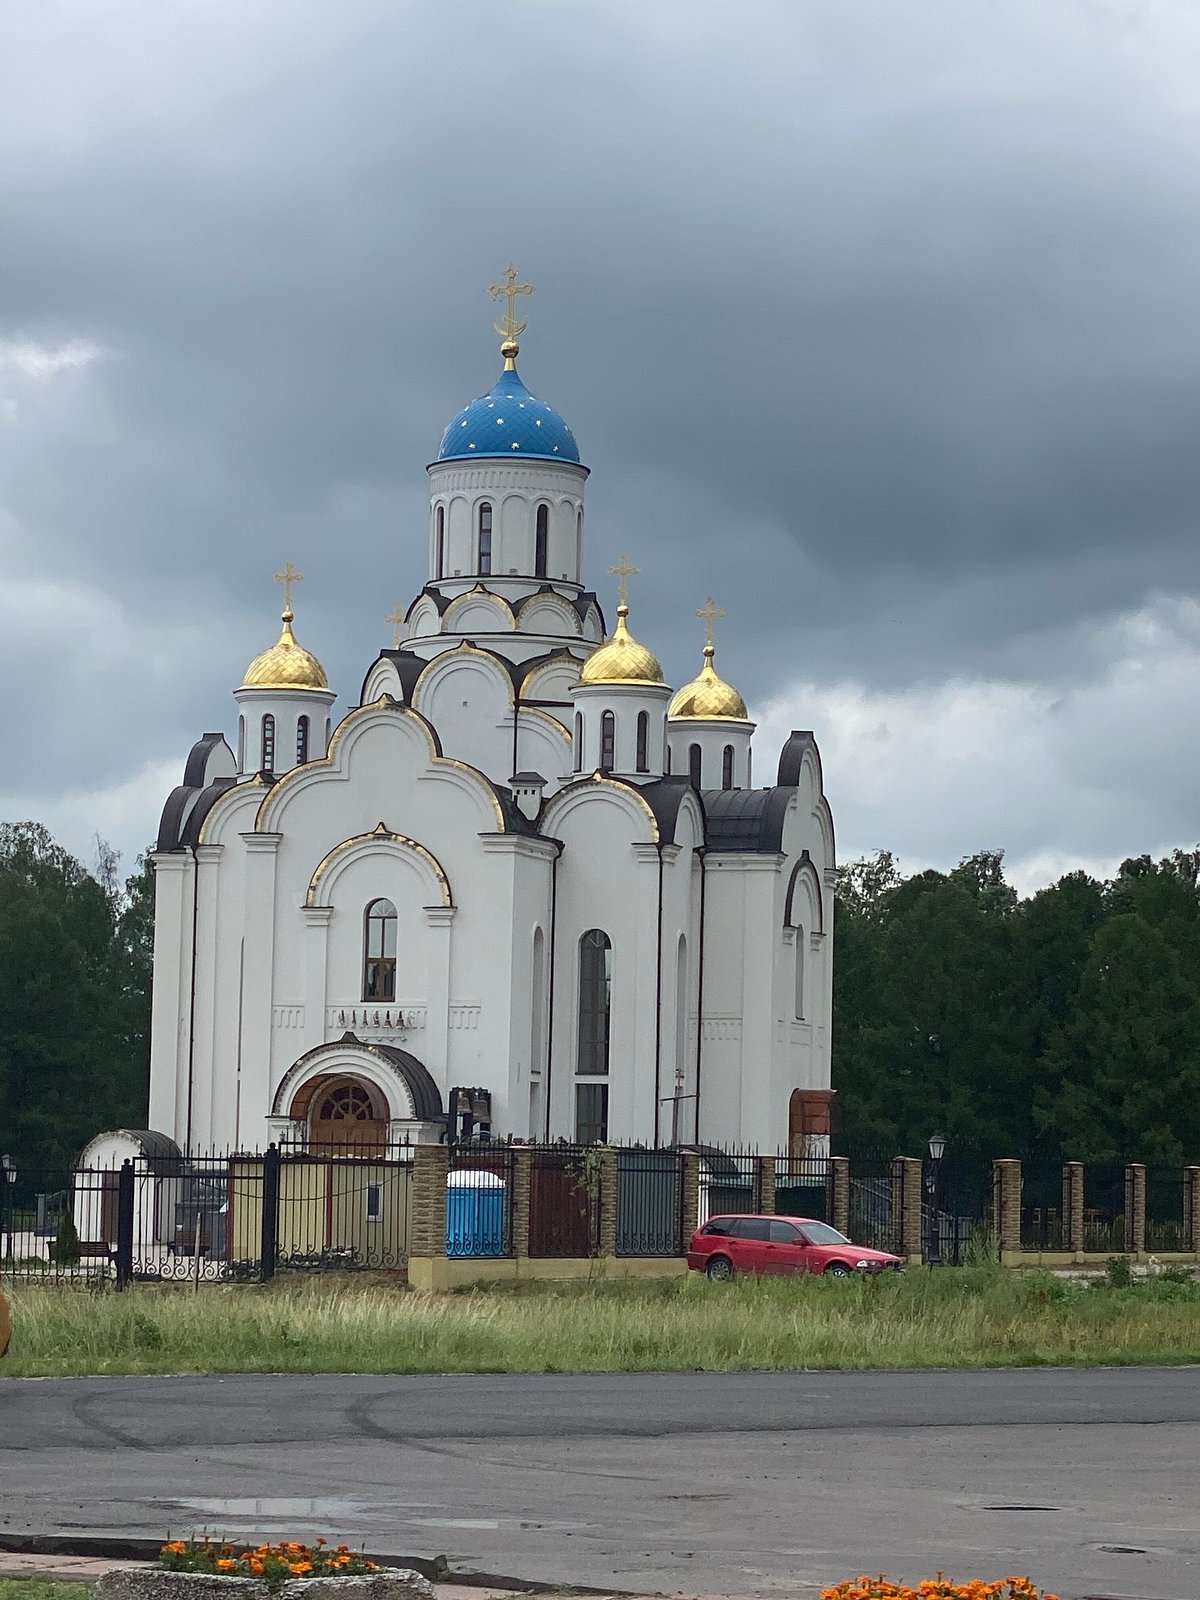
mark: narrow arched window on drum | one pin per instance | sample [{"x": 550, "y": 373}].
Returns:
[{"x": 379, "y": 952}]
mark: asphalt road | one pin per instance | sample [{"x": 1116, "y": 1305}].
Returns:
[{"x": 701, "y": 1483}]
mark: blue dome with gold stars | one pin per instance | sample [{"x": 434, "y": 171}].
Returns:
[{"x": 508, "y": 421}]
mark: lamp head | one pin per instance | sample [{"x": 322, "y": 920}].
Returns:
[{"x": 937, "y": 1146}]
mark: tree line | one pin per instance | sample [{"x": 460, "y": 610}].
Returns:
[
  {"x": 1066, "y": 1023},
  {"x": 75, "y": 956}
]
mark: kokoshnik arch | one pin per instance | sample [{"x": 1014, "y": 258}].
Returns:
[{"x": 519, "y": 862}]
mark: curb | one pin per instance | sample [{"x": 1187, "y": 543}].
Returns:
[{"x": 436, "y": 1568}]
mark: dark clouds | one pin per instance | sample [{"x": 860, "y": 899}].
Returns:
[{"x": 879, "y": 322}]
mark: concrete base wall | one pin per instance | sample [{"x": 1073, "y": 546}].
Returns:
[{"x": 434, "y": 1273}]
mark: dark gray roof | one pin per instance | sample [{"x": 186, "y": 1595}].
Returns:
[
  {"x": 664, "y": 798},
  {"x": 745, "y": 819},
  {"x": 426, "y": 1097},
  {"x": 409, "y": 667},
  {"x": 527, "y": 780},
  {"x": 196, "y": 768},
  {"x": 792, "y": 754},
  {"x": 208, "y": 799}
]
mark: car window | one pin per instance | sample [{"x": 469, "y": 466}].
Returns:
[
  {"x": 822, "y": 1233},
  {"x": 719, "y": 1228},
  {"x": 784, "y": 1233},
  {"x": 751, "y": 1228}
]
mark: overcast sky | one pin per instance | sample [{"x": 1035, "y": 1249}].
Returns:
[{"x": 877, "y": 321}]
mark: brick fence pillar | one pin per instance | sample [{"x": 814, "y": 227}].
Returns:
[
  {"x": 1006, "y": 1204},
  {"x": 1135, "y": 1209},
  {"x": 1072, "y": 1205},
  {"x": 427, "y": 1229},
  {"x": 1191, "y": 1208},
  {"x": 839, "y": 1193},
  {"x": 689, "y": 1199},
  {"x": 906, "y": 1206},
  {"x": 522, "y": 1177},
  {"x": 766, "y": 1185},
  {"x": 608, "y": 1201}
]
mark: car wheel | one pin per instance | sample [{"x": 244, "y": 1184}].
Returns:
[
  {"x": 719, "y": 1269},
  {"x": 837, "y": 1269}
]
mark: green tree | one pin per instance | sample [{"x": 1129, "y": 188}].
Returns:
[{"x": 74, "y": 999}]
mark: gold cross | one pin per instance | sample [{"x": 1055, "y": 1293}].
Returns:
[
  {"x": 396, "y": 618},
  {"x": 709, "y": 613},
  {"x": 623, "y": 572},
  {"x": 509, "y": 289},
  {"x": 287, "y": 578}
]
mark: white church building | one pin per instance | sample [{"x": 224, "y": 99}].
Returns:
[{"x": 519, "y": 879}]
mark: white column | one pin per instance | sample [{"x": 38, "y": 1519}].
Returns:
[
  {"x": 437, "y": 1014},
  {"x": 169, "y": 1013},
  {"x": 258, "y": 957},
  {"x": 208, "y": 857},
  {"x": 316, "y": 973}
]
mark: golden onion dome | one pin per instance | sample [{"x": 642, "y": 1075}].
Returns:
[
  {"x": 286, "y": 665},
  {"x": 621, "y": 659},
  {"x": 708, "y": 696}
]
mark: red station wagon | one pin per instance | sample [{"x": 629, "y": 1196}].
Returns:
[{"x": 780, "y": 1246}]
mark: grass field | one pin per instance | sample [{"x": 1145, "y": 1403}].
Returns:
[
  {"x": 42, "y": 1589},
  {"x": 964, "y": 1317}
]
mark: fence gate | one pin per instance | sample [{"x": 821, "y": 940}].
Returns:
[
  {"x": 649, "y": 1202},
  {"x": 564, "y": 1203}
]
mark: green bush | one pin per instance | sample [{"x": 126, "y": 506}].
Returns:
[{"x": 65, "y": 1250}]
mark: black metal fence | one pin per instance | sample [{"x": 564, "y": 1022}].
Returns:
[
  {"x": 219, "y": 1218},
  {"x": 1166, "y": 1224},
  {"x": 802, "y": 1187},
  {"x": 1104, "y": 1207},
  {"x": 649, "y": 1202}
]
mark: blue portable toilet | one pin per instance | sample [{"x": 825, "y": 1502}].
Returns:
[{"x": 475, "y": 1213}]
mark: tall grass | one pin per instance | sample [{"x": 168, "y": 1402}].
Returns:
[{"x": 966, "y": 1317}]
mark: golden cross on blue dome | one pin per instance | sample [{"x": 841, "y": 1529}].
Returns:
[{"x": 508, "y": 327}]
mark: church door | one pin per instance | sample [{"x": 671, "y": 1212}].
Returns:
[{"x": 346, "y": 1119}]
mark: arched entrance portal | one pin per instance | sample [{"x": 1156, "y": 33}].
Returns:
[
  {"x": 342, "y": 1115},
  {"x": 346, "y": 1115},
  {"x": 358, "y": 1098}
]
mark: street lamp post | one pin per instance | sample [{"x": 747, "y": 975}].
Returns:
[
  {"x": 10, "y": 1177},
  {"x": 933, "y": 1233}
]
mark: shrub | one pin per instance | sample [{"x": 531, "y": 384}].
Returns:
[
  {"x": 938, "y": 1588},
  {"x": 66, "y": 1251},
  {"x": 1118, "y": 1272},
  {"x": 275, "y": 1564}
]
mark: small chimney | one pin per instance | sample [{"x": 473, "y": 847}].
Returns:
[{"x": 527, "y": 790}]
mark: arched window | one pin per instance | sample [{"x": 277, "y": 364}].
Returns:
[
  {"x": 579, "y": 545},
  {"x": 241, "y": 744},
  {"x": 485, "y": 539},
  {"x": 694, "y": 764},
  {"x": 328, "y": 730},
  {"x": 301, "y": 741},
  {"x": 668, "y": 760},
  {"x": 439, "y": 544},
  {"x": 537, "y": 1047},
  {"x": 643, "y": 741},
  {"x": 268, "y": 743},
  {"x": 379, "y": 951},
  {"x": 608, "y": 742},
  {"x": 579, "y": 741},
  {"x": 541, "y": 542},
  {"x": 595, "y": 997},
  {"x": 727, "y": 768},
  {"x": 800, "y": 974}
]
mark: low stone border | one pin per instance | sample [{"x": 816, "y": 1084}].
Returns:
[{"x": 158, "y": 1583}]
